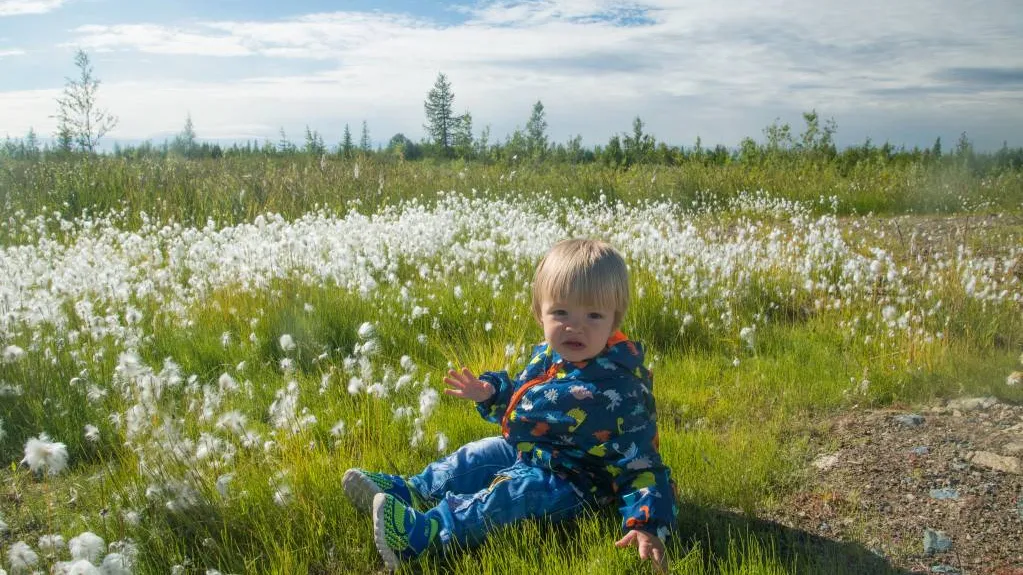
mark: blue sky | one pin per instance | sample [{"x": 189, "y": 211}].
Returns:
[{"x": 905, "y": 71}]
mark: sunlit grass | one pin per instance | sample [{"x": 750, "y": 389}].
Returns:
[{"x": 735, "y": 407}]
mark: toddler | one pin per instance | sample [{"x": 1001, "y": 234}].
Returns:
[{"x": 578, "y": 429}]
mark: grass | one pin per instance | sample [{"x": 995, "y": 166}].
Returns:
[
  {"x": 736, "y": 420},
  {"x": 233, "y": 190}
]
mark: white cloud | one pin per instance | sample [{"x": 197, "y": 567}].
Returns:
[
  {"x": 698, "y": 67},
  {"x": 20, "y": 7},
  {"x": 9, "y": 53},
  {"x": 157, "y": 39}
]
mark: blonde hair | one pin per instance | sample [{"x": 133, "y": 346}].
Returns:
[{"x": 584, "y": 271}]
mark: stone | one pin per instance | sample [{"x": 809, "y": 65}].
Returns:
[
  {"x": 996, "y": 462},
  {"x": 1015, "y": 378},
  {"x": 944, "y": 493},
  {"x": 825, "y": 462},
  {"x": 936, "y": 542},
  {"x": 947, "y": 569},
  {"x": 971, "y": 403},
  {"x": 1013, "y": 448},
  {"x": 909, "y": 419},
  {"x": 922, "y": 450}
]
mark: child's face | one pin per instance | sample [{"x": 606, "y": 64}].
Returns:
[{"x": 577, "y": 332}]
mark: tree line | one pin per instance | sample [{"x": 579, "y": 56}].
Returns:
[{"x": 81, "y": 125}]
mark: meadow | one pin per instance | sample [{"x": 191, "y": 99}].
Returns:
[{"x": 213, "y": 342}]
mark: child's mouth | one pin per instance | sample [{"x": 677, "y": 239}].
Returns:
[{"x": 574, "y": 344}]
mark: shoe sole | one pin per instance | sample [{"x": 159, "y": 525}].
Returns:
[
  {"x": 360, "y": 491},
  {"x": 391, "y": 560}
]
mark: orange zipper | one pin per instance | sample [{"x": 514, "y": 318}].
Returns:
[
  {"x": 517, "y": 396},
  {"x": 616, "y": 337}
]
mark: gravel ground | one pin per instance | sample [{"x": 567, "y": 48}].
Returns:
[{"x": 938, "y": 490}]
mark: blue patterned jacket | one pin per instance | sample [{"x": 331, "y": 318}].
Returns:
[{"x": 596, "y": 423}]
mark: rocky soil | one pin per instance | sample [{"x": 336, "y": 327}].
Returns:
[{"x": 939, "y": 490}]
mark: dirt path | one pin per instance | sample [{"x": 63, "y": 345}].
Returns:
[{"x": 934, "y": 491}]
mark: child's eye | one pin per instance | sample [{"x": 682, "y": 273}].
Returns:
[
  {"x": 596, "y": 315},
  {"x": 558, "y": 312}
]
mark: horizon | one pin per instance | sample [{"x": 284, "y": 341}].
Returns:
[{"x": 905, "y": 74}]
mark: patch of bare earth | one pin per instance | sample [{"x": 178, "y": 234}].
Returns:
[{"x": 934, "y": 491}]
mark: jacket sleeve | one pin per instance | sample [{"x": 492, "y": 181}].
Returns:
[
  {"x": 494, "y": 407},
  {"x": 641, "y": 480}
]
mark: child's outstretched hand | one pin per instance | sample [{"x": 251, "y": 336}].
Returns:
[
  {"x": 465, "y": 385},
  {"x": 650, "y": 547}
]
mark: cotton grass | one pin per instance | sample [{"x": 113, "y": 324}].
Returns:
[{"x": 41, "y": 454}]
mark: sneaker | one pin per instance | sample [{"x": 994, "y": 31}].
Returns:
[
  {"x": 401, "y": 533},
  {"x": 360, "y": 486}
]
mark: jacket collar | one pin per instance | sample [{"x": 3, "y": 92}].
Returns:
[{"x": 620, "y": 350}]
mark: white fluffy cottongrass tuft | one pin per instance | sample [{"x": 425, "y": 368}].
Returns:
[
  {"x": 749, "y": 335},
  {"x": 224, "y": 484},
  {"x": 42, "y": 453},
  {"x": 428, "y": 402},
  {"x": 283, "y": 496},
  {"x": 367, "y": 330},
  {"x": 21, "y": 557},
  {"x": 82, "y": 567},
  {"x": 407, "y": 364},
  {"x": 371, "y": 347},
  {"x": 287, "y": 365},
  {"x": 92, "y": 433},
  {"x": 284, "y": 407},
  {"x": 51, "y": 544},
  {"x": 1015, "y": 378},
  {"x": 233, "y": 421},
  {"x": 287, "y": 343},
  {"x": 227, "y": 383},
  {"x": 442, "y": 442},
  {"x": 87, "y": 546},
  {"x": 12, "y": 353},
  {"x": 116, "y": 564},
  {"x": 126, "y": 550},
  {"x": 889, "y": 313}
]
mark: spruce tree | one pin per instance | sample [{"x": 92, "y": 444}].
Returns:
[
  {"x": 347, "y": 147},
  {"x": 364, "y": 143},
  {"x": 536, "y": 132},
  {"x": 440, "y": 121}
]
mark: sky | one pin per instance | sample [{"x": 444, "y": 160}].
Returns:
[{"x": 903, "y": 71}]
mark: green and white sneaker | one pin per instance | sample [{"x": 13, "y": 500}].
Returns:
[
  {"x": 401, "y": 533},
  {"x": 361, "y": 486}
]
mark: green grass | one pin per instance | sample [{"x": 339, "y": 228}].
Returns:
[
  {"x": 236, "y": 189},
  {"x": 734, "y": 437},
  {"x": 737, "y": 437}
]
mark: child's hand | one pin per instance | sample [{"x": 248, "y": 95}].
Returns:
[
  {"x": 466, "y": 386},
  {"x": 650, "y": 547}
]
